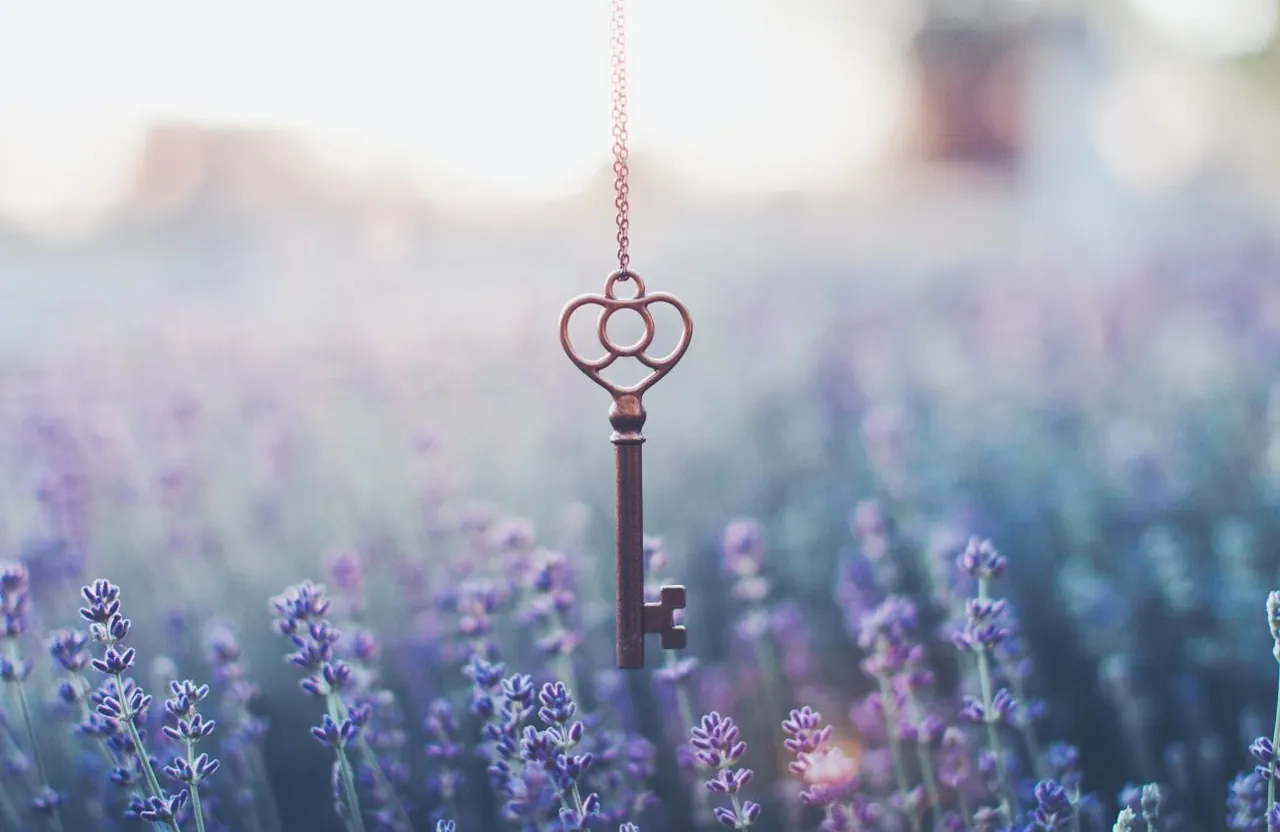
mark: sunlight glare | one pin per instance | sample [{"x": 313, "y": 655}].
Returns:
[
  {"x": 508, "y": 96},
  {"x": 1214, "y": 28}
]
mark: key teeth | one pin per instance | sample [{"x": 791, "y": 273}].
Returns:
[
  {"x": 660, "y": 617},
  {"x": 672, "y": 597},
  {"x": 674, "y": 638}
]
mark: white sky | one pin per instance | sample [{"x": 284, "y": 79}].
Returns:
[
  {"x": 512, "y": 94},
  {"x": 1213, "y": 28}
]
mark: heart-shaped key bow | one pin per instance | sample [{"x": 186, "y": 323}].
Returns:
[{"x": 635, "y": 618}]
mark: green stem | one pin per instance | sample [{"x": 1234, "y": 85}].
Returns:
[
  {"x": 11, "y": 740},
  {"x": 895, "y": 742},
  {"x": 993, "y": 737},
  {"x": 384, "y": 782},
  {"x": 1275, "y": 745},
  {"x": 771, "y": 675},
  {"x": 15, "y": 820},
  {"x": 701, "y": 805},
  {"x": 565, "y": 747},
  {"x": 82, "y": 697},
  {"x": 128, "y": 717},
  {"x": 354, "y": 819},
  {"x": 25, "y": 709},
  {"x": 737, "y": 813},
  {"x": 766, "y": 653},
  {"x": 447, "y": 797},
  {"x": 354, "y": 822},
  {"x": 24, "y": 706},
  {"x": 196, "y": 809},
  {"x": 563, "y": 664},
  {"x": 375, "y": 767},
  {"x": 1026, "y": 727},
  {"x": 925, "y": 756},
  {"x": 266, "y": 794}
]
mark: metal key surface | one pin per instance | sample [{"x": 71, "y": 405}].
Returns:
[{"x": 635, "y": 617}]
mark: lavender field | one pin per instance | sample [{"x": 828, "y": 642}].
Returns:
[{"x": 972, "y": 472}]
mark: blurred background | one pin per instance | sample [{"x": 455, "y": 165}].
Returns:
[{"x": 284, "y": 277}]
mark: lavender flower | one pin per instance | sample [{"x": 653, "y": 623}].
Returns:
[
  {"x": 241, "y": 730},
  {"x": 1053, "y": 808},
  {"x": 677, "y": 672},
  {"x": 987, "y": 819},
  {"x": 1151, "y": 805},
  {"x": 1015, "y": 664},
  {"x": 550, "y": 597},
  {"x": 955, "y": 765},
  {"x": 189, "y": 728},
  {"x": 981, "y": 633},
  {"x": 122, "y": 703},
  {"x": 1247, "y": 803},
  {"x": 830, "y": 776},
  {"x": 827, "y": 771},
  {"x": 622, "y": 765},
  {"x": 47, "y": 802},
  {"x": 1261, "y": 746},
  {"x": 15, "y": 620},
  {"x": 444, "y": 750},
  {"x": 742, "y": 546},
  {"x": 507, "y": 771},
  {"x": 382, "y": 738},
  {"x": 486, "y": 680},
  {"x": 717, "y": 746},
  {"x": 551, "y": 749},
  {"x": 345, "y": 570},
  {"x": 897, "y": 663},
  {"x": 1126, "y": 821},
  {"x": 1063, "y": 762},
  {"x": 475, "y": 604},
  {"x": 301, "y": 613}
]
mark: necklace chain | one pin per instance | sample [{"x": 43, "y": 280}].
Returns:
[{"x": 621, "y": 168}]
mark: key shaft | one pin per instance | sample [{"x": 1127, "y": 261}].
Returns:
[{"x": 627, "y": 416}]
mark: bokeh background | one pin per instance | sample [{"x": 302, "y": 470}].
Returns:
[{"x": 281, "y": 280}]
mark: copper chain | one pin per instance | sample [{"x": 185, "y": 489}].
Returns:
[{"x": 621, "y": 169}]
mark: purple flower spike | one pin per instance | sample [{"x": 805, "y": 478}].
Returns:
[
  {"x": 1263, "y": 750},
  {"x": 1064, "y": 765},
  {"x": 1053, "y": 808},
  {"x": 981, "y": 560},
  {"x": 1247, "y": 803},
  {"x": 15, "y": 585},
  {"x": 47, "y": 801},
  {"x": 743, "y": 547},
  {"x": 805, "y": 732},
  {"x": 119, "y": 710},
  {"x": 69, "y": 648},
  {"x": 298, "y": 606},
  {"x": 717, "y": 746}
]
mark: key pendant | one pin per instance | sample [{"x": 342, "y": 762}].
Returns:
[{"x": 635, "y": 618}]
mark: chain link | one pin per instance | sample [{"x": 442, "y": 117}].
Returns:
[{"x": 621, "y": 168}]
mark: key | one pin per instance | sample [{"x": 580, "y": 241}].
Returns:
[{"x": 635, "y": 617}]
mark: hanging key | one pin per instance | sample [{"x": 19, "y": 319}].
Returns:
[{"x": 635, "y": 617}]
